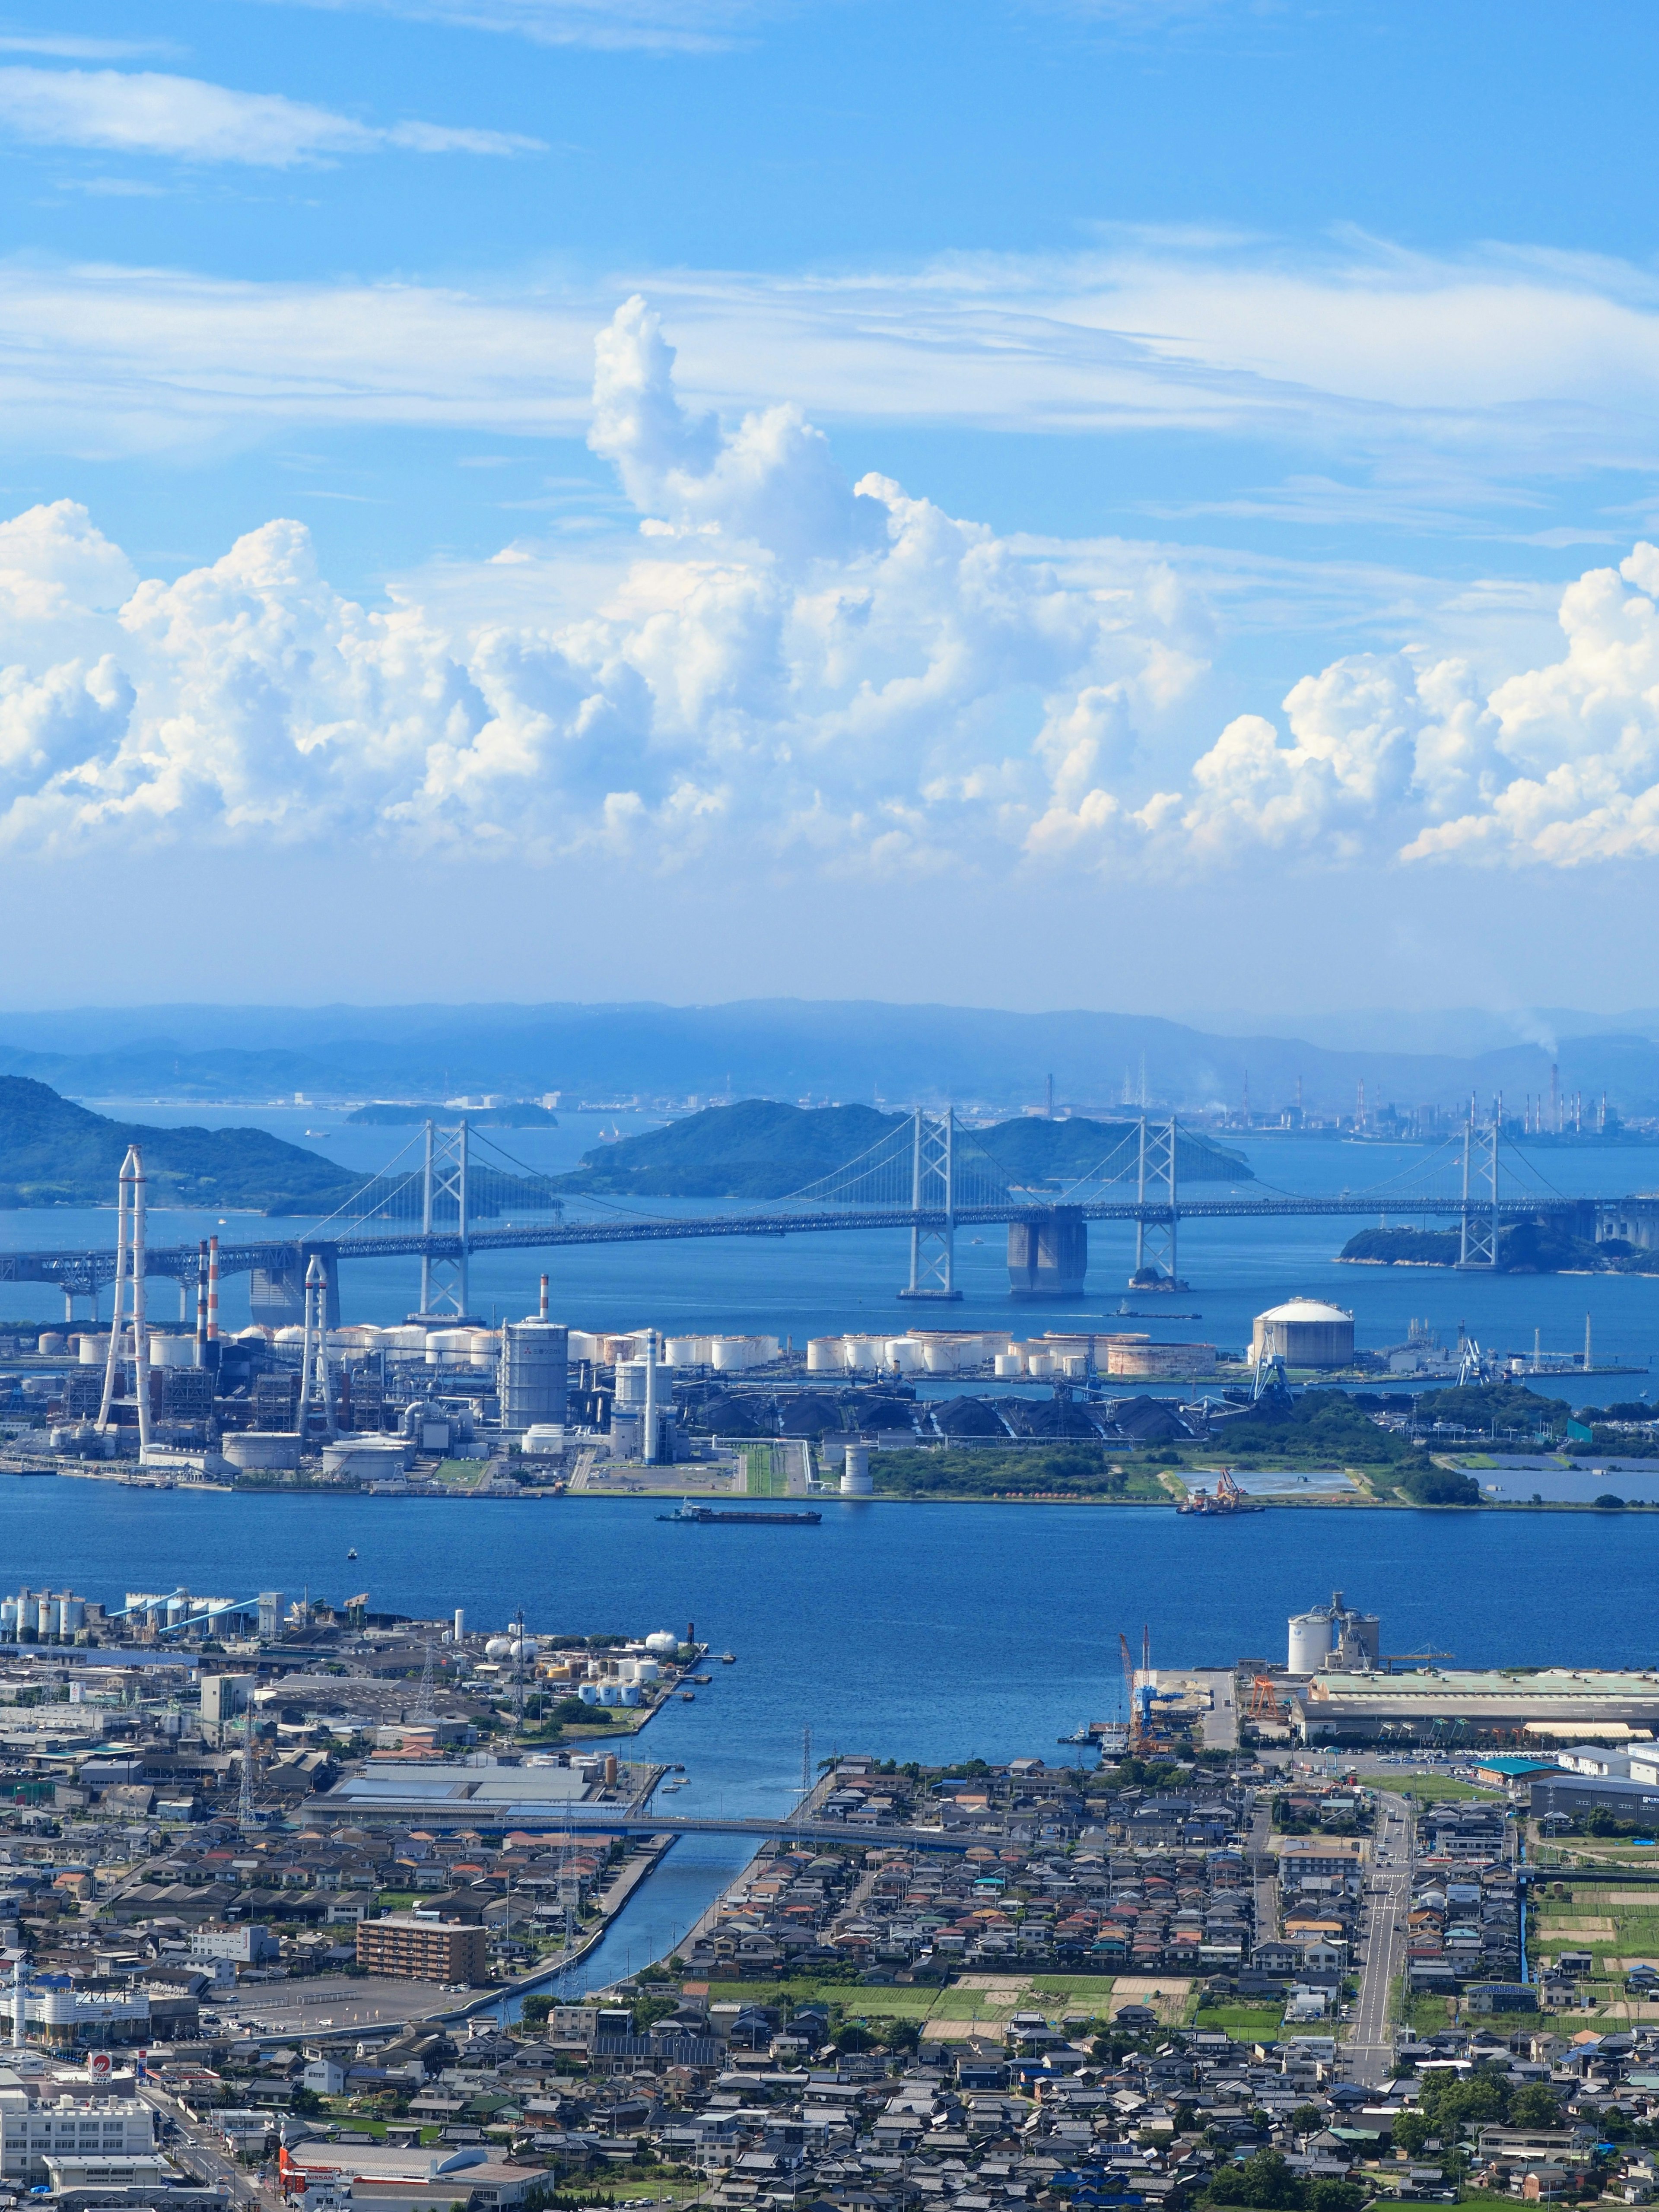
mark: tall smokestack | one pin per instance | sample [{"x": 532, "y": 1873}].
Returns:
[
  {"x": 213, "y": 1290},
  {"x": 201, "y": 1303},
  {"x": 543, "y": 1305}
]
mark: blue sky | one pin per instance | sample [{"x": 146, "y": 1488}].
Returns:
[{"x": 1023, "y": 501}]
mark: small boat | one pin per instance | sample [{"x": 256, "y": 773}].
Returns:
[
  {"x": 730, "y": 1658},
  {"x": 352, "y": 1554},
  {"x": 702, "y": 1681},
  {"x": 688, "y": 1696}
]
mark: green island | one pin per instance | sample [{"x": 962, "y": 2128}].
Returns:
[
  {"x": 1524, "y": 1248},
  {"x": 57, "y": 1153},
  {"x": 760, "y": 1149}
]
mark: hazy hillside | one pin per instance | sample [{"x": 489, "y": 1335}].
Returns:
[
  {"x": 762, "y": 1150},
  {"x": 53, "y": 1152}
]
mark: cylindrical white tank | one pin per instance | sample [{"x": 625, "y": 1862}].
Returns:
[
  {"x": 904, "y": 1355},
  {"x": 542, "y": 1440},
  {"x": 630, "y": 1384},
  {"x": 172, "y": 1352},
  {"x": 535, "y": 1375},
  {"x": 1008, "y": 1365},
  {"x": 855, "y": 1473},
  {"x": 681, "y": 1351},
  {"x": 367, "y": 1459},
  {"x": 402, "y": 1342},
  {"x": 92, "y": 1350},
  {"x": 823, "y": 1355},
  {"x": 460, "y": 1624},
  {"x": 73, "y": 1616},
  {"x": 941, "y": 1355},
  {"x": 862, "y": 1354},
  {"x": 731, "y": 1355},
  {"x": 273, "y": 1451},
  {"x": 51, "y": 1346},
  {"x": 1309, "y": 1642},
  {"x": 583, "y": 1346},
  {"x": 445, "y": 1346},
  {"x": 1039, "y": 1365}
]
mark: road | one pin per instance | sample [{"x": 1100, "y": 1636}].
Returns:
[
  {"x": 195, "y": 2150},
  {"x": 1371, "y": 2042}
]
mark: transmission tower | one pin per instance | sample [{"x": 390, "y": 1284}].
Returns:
[
  {"x": 425, "y": 1699},
  {"x": 245, "y": 1821}
]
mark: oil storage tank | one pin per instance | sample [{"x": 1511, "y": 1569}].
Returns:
[
  {"x": 535, "y": 1373},
  {"x": 1310, "y": 1641},
  {"x": 1303, "y": 1332}
]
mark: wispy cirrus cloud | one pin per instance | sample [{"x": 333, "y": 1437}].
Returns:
[
  {"x": 651, "y": 25},
  {"x": 146, "y": 111}
]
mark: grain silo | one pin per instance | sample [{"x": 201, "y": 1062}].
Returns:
[{"x": 1303, "y": 1332}]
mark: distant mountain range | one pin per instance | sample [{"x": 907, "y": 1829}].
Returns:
[{"x": 833, "y": 1050}]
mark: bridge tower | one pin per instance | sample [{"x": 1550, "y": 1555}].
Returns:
[
  {"x": 933, "y": 1190},
  {"x": 444, "y": 1187},
  {"x": 1157, "y": 1223},
  {"x": 1478, "y": 1245}
]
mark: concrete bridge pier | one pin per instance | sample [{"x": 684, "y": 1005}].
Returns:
[
  {"x": 276, "y": 1296},
  {"x": 1048, "y": 1253}
]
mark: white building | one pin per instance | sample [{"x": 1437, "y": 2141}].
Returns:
[
  {"x": 66, "y": 2128},
  {"x": 248, "y": 1942}
]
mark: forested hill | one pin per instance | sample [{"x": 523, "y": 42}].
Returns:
[
  {"x": 763, "y": 1150},
  {"x": 53, "y": 1152}
]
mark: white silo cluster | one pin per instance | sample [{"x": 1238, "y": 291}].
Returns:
[
  {"x": 920, "y": 1351},
  {"x": 41, "y": 1616},
  {"x": 1333, "y": 1637}
]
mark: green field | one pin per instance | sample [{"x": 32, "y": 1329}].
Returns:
[
  {"x": 1245, "y": 2023},
  {"x": 1427, "y": 1788}
]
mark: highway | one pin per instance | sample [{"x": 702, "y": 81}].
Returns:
[
  {"x": 582, "y": 1819},
  {"x": 1370, "y": 2050}
]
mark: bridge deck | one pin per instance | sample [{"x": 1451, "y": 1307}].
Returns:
[{"x": 80, "y": 1269}]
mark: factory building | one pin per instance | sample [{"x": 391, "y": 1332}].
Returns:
[
  {"x": 1303, "y": 1332},
  {"x": 1555, "y": 1701},
  {"x": 67, "y": 2127}
]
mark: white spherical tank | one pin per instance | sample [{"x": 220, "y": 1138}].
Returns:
[
  {"x": 499, "y": 1647},
  {"x": 1311, "y": 1642},
  {"x": 662, "y": 1643},
  {"x": 525, "y": 1649}
]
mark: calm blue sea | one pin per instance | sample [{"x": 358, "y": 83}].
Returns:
[{"x": 937, "y": 1632}]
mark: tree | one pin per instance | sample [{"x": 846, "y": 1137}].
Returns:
[
  {"x": 1306, "y": 2120},
  {"x": 1411, "y": 2132},
  {"x": 1265, "y": 2179},
  {"x": 1332, "y": 2195},
  {"x": 1534, "y": 2107}
]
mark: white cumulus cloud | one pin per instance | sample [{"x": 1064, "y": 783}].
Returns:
[
  {"x": 147, "y": 112},
  {"x": 787, "y": 668}
]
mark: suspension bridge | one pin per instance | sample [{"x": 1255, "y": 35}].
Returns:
[{"x": 451, "y": 1193}]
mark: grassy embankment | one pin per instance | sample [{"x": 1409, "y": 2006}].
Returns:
[
  {"x": 763, "y": 1470},
  {"x": 956, "y": 2004}
]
